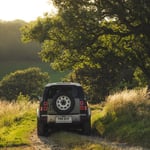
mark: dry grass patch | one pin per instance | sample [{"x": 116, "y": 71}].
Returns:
[
  {"x": 126, "y": 98},
  {"x": 125, "y": 117}
]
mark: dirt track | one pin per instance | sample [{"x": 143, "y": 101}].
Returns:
[
  {"x": 51, "y": 143},
  {"x": 43, "y": 143},
  {"x": 47, "y": 143}
]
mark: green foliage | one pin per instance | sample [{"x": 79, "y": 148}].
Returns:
[
  {"x": 102, "y": 42},
  {"x": 125, "y": 117},
  {"x": 22, "y": 98},
  {"x": 28, "y": 81},
  {"x": 140, "y": 77}
]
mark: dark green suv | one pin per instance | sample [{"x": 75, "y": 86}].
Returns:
[{"x": 63, "y": 104}]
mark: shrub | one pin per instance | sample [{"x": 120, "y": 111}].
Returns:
[{"x": 28, "y": 82}]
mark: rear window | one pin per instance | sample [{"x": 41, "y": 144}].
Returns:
[{"x": 74, "y": 91}]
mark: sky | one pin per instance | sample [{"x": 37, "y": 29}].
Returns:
[{"x": 27, "y": 10}]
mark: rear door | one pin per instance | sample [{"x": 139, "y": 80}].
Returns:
[{"x": 64, "y": 99}]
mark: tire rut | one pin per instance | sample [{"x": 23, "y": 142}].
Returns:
[
  {"x": 43, "y": 143},
  {"x": 47, "y": 143}
]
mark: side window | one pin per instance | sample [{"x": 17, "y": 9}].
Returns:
[
  {"x": 45, "y": 94},
  {"x": 74, "y": 91},
  {"x": 80, "y": 93}
]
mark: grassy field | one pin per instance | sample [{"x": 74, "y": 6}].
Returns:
[{"x": 11, "y": 66}]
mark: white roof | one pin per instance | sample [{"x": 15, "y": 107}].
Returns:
[{"x": 63, "y": 83}]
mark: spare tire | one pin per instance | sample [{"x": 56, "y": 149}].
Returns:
[{"x": 63, "y": 103}]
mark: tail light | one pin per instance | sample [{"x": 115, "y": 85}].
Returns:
[
  {"x": 44, "y": 106},
  {"x": 83, "y": 105}
]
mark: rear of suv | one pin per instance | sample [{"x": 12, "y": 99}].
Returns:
[{"x": 63, "y": 104}]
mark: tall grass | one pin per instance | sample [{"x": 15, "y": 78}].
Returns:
[
  {"x": 126, "y": 117},
  {"x": 132, "y": 103},
  {"x": 18, "y": 119}
]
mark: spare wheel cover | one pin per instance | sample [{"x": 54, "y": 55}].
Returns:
[{"x": 63, "y": 103}]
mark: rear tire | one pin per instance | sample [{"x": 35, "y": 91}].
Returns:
[
  {"x": 87, "y": 127},
  {"x": 41, "y": 128}
]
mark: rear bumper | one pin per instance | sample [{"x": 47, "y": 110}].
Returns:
[
  {"x": 74, "y": 118},
  {"x": 70, "y": 119}
]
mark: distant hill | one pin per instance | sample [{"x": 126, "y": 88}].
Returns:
[
  {"x": 15, "y": 55},
  {"x": 11, "y": 47}
]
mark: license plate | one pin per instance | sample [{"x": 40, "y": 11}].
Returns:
[{"x": 63, "y": 119}]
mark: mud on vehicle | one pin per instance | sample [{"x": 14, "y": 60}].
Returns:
[{"x": 63, "y": 104}]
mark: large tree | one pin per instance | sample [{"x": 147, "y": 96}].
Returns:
[
  {"x": 135, "y": 17},
  {"x": 101, "y": 41}
]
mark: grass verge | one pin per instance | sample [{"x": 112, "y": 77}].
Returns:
[
  {"x": 18, "y": 120},
  {"x": 125, "y": 117}
]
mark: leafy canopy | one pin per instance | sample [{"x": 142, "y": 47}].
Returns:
[{"x": 103, "y": 42}]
